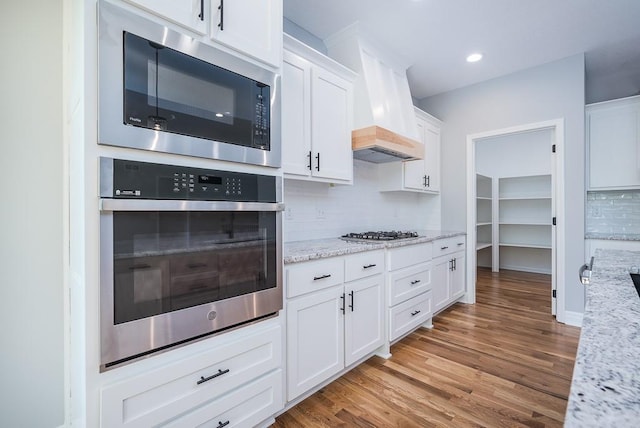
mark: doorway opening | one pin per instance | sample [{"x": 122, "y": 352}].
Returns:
[{"x": 514, "y": 183}]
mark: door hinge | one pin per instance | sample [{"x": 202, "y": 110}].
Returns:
[
  {"x": 553, "y": 148},
  {"x": 554, "y": 221},
  {"x": 554, "y": 294}
]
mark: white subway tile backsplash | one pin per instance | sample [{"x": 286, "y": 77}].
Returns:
[
  {"x": 320, "y": 210},
  {"x": 613, "y": 212}
]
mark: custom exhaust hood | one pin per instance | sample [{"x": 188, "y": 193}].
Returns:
[{"x": 384, "y": 117}]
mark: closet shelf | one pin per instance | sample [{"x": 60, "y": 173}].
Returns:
[
  {"x": 483, "y": 245},
  {"x": 525, "y": 245}
]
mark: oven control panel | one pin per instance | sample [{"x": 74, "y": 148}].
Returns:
[{"x": 142, "y": 180}]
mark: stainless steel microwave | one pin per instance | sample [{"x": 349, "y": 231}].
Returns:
[{"x": 165, "y": 91}]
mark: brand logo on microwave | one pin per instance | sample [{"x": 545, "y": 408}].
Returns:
[
  {"x": 127, "y": 192},
  {"x": 134, "y": 119}
]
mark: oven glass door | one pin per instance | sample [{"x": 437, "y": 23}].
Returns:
[
  {"x": 167, "y": 90},
  {"x": 165, "y": 261}
]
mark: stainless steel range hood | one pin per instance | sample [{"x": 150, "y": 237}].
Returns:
[{"x": 384, "y": 117}]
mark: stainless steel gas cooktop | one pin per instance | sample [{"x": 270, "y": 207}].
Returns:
[{"x": 379, "y": 236}]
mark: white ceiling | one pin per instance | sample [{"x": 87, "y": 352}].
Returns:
[{"x": 435, "y": 36}]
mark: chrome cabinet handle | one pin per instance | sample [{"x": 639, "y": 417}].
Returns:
[
  {"x": 414, "y": 282},
  {"x": 318, "y": 161},
  {"x": 213, "y": 376},
  {"x": 309, "y": 156},
  {"x": 351, "y": 305},
  {"x": 414, "y": 313},
  {"x": 369, "y": 266},
  {"x": 342, "y": 308},
  {"x": 201, "y": 14},
  {"x": 428, "y": 181},
  {"x": 222, "y": 424},
  {"x": 316, "y": 278},
  {"x": 443, "y": 248}
]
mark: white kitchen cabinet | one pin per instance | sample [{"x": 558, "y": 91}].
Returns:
[
  {"x": 189, "y": 14},
  {"x": 315, "y": 339},
  {"x": 237, "y": 380},
  {"x": 364, "y": 318},
  {"x": 409, "y": 283},
  {"x": 613, "y": 136},
  {"x": 317, "y": 107},
  {"x": 253, "y": 27},
  {"x": 333, "y": 326},
  {"x": 448, "y": 283},
  {"x": 422, "y": 175}
]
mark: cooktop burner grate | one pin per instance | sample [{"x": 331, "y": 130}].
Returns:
[{"x": 381, "y": 235}]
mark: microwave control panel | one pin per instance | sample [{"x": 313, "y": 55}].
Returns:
[{"x": 125, "y": 179}]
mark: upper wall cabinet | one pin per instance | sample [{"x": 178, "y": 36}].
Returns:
[
  {"x": 613, "y": 136},
  {"x": 253, "y": 27},
  {"x": 317, "y": 111},
  {"x": 187, "y": 13},
  {"x": 421, "y": 175}
]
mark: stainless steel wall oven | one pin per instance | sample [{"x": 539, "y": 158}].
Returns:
[
  {"x": 185, "y": 252},
  {"x": 166, "y": 91}
]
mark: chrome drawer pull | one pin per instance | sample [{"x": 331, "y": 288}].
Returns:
[
  {"x": 213, "y": 376},
  {"x": 415, "y": 313},
  {"x": 443, "y": 248},
  {"x": 315, "y": 278},
  {"x": 414, "y": 282},
  {"x": 222, "y": 424},
  {"x": 369, "y": 266}
]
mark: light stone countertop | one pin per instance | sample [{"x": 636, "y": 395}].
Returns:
[
  {"x": 605, "y": 390},
  {"x": 612, "y": 236},
  {"x": 301, "y": 251}
]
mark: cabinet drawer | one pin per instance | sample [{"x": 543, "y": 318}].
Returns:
[
  {"x": 409, "y": 315},
  {"x": 445, "y": 246},
  {"x": 409, "y": 255},
  {"x": 244, "y": 407},
  {"x": 364, "y": 264},
  {"x": 302, "y": 278},
  {"x": 160, "y": 395},
  {"x": 409, "y": 282}
]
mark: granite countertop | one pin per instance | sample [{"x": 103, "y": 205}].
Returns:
[
  {"x": 605, "y": 390},
  {"x": 612, "y": 236},
  {"x": 301, "y": 251}
]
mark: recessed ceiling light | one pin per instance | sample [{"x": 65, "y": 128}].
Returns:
[{"x": 474, "y": 57}]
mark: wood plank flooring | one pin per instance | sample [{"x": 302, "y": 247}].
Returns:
[{"x": 503, "y": 362}]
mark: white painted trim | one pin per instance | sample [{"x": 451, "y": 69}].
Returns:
[
  {"x": 573, "y": 318},
  {"x": 558, "y": 126}
]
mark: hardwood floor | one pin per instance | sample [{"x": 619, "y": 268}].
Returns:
[{"x": 503, "y": 362}]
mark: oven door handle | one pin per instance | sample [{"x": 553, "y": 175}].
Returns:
[{"x": 107, "y": 205}]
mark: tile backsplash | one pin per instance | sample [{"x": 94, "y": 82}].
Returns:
[
  {"x": 613, "y": 212},
  {"x": 320, "y": 210}
]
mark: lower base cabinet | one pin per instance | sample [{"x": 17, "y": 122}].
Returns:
[
  {"x": 238, "y": 383},
  {"x": 448, "y": 274},
  {"x": 336, "y": 325},
  {"x": 408, "y": 315}
]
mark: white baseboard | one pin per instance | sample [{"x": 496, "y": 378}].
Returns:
[{"x": 573, "y": 318}]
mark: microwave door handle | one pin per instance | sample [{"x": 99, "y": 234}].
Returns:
[{"x": 107, "y": 205}]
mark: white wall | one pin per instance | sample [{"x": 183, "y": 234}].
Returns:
[
  {"x": 551, "y": 91},
  {"x": 32, "y": 229},
  {"x": 526, "y": 153},
  {"x": 319, "y": 210}
]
